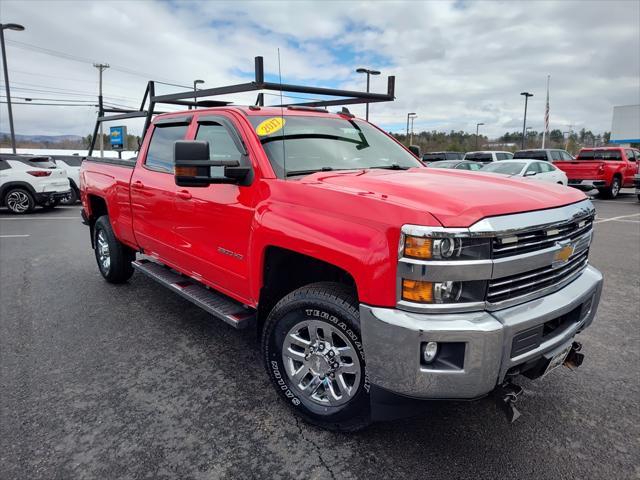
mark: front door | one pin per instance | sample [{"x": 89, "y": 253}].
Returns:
[
  {"x": 213, "y": 224},
  {"x": 153, "y": 191}
]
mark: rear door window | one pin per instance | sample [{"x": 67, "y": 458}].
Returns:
[
  {"x": 160, "y": 153},
  {"x": 555, "y": 155}
]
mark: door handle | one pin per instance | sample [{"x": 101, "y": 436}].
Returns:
[
  {"x": 138, "y": 185},
  {"x": 183, "y": 194}
]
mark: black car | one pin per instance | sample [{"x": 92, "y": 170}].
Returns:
[
  {"x": 457, "y": 164},
  {"x": 439, "y": 156}
]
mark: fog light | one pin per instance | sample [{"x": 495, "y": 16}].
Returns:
[{"x": 430, "y": 351}]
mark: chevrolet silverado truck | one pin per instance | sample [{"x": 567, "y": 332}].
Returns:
[
  {"x": 370, "y": 280},
  {"x": 607, "y": 169}
]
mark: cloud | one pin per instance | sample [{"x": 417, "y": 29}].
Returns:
[{"x": 456, "y": 64}]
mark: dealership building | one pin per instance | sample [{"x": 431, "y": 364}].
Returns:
[{"x": 625, "y": 128}]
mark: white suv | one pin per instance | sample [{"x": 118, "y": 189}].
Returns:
[
  {"x": 71, "y": 163},
  {"x": 29, "y": 181},
  {"x": 487, "y": 156}
]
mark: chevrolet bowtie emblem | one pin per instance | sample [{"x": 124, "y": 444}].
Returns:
[{"x": 563, "y": 255}]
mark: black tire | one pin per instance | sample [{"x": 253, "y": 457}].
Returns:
[
  {"x": 119, "y": 268},
  {"x": 613, "y": 190},
  {"x": 71, "y": 199},
  {"x": 19, "y": 201},
  {"x": 321, "y": 303}
]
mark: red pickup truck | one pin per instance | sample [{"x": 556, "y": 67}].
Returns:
[
  {"x": 607, "y": 169},
  {"x": 371, "y": 280}
]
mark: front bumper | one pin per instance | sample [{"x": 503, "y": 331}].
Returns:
[
  {"x": 393, "y": 338},
  {"x": 587, "y": 185}
]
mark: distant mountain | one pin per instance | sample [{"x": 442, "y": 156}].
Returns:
[{"x": 44, "y": 138}]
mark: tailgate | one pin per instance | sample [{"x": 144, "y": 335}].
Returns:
[{"x": 580, "y": 169}]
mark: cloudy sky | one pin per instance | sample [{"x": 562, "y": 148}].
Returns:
[{"x": 456, "y": 63}]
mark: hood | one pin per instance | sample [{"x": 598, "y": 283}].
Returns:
[{"x": 456, "y": 198}]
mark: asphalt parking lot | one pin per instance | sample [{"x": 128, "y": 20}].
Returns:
[{"x": 104, "y": 381}]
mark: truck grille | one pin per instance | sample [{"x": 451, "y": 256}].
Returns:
[
  {"x": 521, "y": 284},
  {"x": 533, "y": 240}
]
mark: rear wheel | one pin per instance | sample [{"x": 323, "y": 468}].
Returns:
[
  {"x": 70, "y": 199},
  {"x": 114, "y": 258},
  {"x": 313, "y": 354},
  {"x": 19, "y": 201},
  {"x": 613, "y": 190}
]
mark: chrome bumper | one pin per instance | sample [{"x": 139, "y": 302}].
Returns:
[
  {"x": 587, "y": 185},
  {"x": 392, "y": 339}
]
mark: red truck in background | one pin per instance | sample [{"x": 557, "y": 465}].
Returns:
[
  {"x": 371, "y": 281},
  {"x": 607, "y": 169}
]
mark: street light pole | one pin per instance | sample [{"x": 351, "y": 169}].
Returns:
[
  {"x": 412, "y": 118},
  {"x": 477, "y": 129},
  {"x": 524, "y": 125},
  {"x": 195, "y": 89},
  {"x": 409, "y": 115},
  {"x": 369, "y": 72},
  {"x": 17, "y": 28}
]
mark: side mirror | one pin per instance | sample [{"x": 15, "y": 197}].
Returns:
[
  {"x": 193, "y": 167},
  {"x": 529, "y": 174},
  {"x": 192, "y": 164}
]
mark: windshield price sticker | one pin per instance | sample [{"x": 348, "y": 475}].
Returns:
[{"x": 270, "y": 125}]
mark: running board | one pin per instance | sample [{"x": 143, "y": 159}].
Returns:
[{"x": 217, "y": 304}]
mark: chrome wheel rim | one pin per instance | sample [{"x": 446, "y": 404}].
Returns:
[
  {"x": 615, "y": 188},
  {"x": 102, "y": 247},
  {"x": 321, "y": 363},
  {"x": 18, "y": 202}
]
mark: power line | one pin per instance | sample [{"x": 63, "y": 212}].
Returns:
[
  {"x": 52, "y": 104},
  {"x": 77, "y": 58}
]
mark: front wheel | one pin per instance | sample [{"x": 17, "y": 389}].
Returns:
[{"x": 313, "y": 354}]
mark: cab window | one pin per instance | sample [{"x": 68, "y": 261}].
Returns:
[{"x": 160, "y": 153}]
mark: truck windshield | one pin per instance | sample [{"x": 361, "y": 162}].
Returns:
[
  {"x": 309, "y": 144},
  {"x": 600, "y": 155}
]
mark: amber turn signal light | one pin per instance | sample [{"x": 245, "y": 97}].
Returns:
[
  {"x": 417, "y": 247},
  {"x": 186, "y": 171},
  {"x": 417, "y": 291}
]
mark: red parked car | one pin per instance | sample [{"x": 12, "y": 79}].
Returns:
[{"x": 607, "y": 169}]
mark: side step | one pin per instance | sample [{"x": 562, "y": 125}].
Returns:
[{"x": 217, "y": 304}]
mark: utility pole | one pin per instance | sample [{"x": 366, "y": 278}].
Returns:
[
  {"x": 18, "y": 28},
  {"x": 101, "y": 68}
]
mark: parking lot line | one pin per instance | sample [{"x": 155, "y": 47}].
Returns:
[
  {"x": 616, "y": 218},
  {"x": 14, "y": 236},
  {"x": 42, "y": 217}
]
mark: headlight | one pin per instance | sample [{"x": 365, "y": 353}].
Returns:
[
  {"x": 419, "y": 291},
  {"x": 446, "y": 248}
]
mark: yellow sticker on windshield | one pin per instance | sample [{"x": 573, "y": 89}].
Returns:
[{"x": 270, "y": 125}]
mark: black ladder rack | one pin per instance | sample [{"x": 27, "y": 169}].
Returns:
[{"x": 189, "y": 98}]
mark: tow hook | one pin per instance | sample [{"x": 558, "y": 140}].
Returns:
[
  {"x": 506, "y": 396},
  {"x": 574, "y": 358}
]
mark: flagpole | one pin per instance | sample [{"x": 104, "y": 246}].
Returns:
[{"x": 545, "y": 133}]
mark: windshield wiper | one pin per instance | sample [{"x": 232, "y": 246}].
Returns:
[
  {"x": 393, "y": 166},
  {"x": 293, "y": 173}
]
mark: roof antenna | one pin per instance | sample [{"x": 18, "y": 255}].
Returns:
[{"x": 284, "y": 153}]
